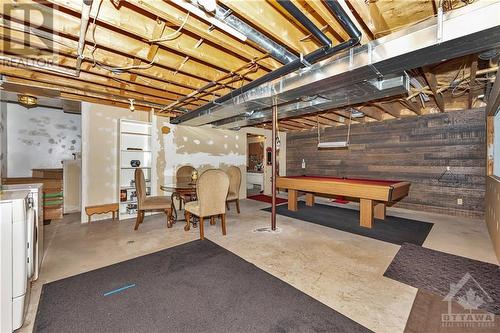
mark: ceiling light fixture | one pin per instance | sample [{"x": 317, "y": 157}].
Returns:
[
  {"x": 210, "y": 19},
  {"x": 132, "y": 107},
  {"x": 355, "y": 113},
  {"x": 334, "y": 144},
  {"x": 27, "y": 100}
]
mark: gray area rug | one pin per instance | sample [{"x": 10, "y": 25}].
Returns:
[
  {"x": 394, "y": 230},
  {"x": 436, "y": 271},
  {"x": 194, "y": 287}
]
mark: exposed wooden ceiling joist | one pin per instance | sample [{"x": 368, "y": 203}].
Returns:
[
  {"x": 174, "y": 15},
  {"x": 267, "y": 19},
  {"x": 129, "y": 60}
]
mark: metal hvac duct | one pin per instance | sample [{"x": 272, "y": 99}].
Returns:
[
  {"x": 310, "y": 58},
  {"x": 354, "y": 94},
  {"x": 276, "y": 51},
  {"x": 428, "y": 42}
]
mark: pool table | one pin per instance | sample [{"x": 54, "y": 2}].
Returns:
[{"x": 373, "y": 194}]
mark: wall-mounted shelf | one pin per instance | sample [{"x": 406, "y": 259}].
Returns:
[
  {"x": 130, "y": 133},
  {"x": 127, "y": 168}
]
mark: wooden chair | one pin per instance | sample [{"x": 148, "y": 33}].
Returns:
[
  {"x": 233, "y": 194},
  {"x": 145, "y": 203},
  {"x": 211, "y": 191},
  {"x": 183, "y": 175}
]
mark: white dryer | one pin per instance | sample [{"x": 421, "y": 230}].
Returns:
[
  {"x": 13, "y": 259},
  {"x": 35, "y": 226}
]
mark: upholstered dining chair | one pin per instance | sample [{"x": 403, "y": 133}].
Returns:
[
  {"x": 211, "y": 192},
  {"x": 183, "y": 175},
  {"x": 149, "y": 203},
  {"x": 233, "y": 194}
]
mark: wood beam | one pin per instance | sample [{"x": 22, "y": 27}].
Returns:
[
  {"x": 288, "y": 126},
  {"x": 282, "y": 123},
  {"x": 175, "y": 15},
  {"x": 87, "y": 82},
  {"x": 390, "y": 108},
  {"x": 268, "y": 20},
  {"x": 128, "y": 20},
  {"x": 160, "y": 77},
  {"x": 55, "y": 85},
  {"x": 322, "y": 120},
  {"x": 125, "y": 44},
  {"x": 494, "y": 99},
  {"x": 123, "y": 105},
  {"x": 305, "y": 121},
  {"x": 299, "y": 124},
  {"x": 337, "y": 34},
  {"x": 412, "y": 106},
  {"x": 472, "y": 80},
  {"x": 371, "y": 16},
  {"x": 372, "y": 112},
  {"x": 327, "y": 16},
  {"x": 432, "y": 82}
]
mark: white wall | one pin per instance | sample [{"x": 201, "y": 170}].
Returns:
[
  {"x": 100, "y": 154},
  {"x": 3, "y": 138},
  {"x": 40, "y": 138},
  {"x": 496, "y": 146}
]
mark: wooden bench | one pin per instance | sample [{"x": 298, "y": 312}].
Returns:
[{"x": 102, "y": 209}]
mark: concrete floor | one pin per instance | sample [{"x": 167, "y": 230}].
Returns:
[{"x": 340, "y": 269}]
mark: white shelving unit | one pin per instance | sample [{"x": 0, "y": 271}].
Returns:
[{"x": 135, "y": 143}]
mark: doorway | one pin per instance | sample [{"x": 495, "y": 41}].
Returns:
[{"x": 255, "y": 164}]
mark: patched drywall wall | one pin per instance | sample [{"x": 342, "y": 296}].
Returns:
[
  {"x": 40, "y": 138},
  {"x": 201, "y": 147},
  {"x": 100, "y": 153}
]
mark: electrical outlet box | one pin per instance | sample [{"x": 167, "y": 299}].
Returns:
[{"x": 460, "y": 201}]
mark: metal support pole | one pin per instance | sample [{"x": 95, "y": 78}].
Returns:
[{"x": 274, "y": 166}]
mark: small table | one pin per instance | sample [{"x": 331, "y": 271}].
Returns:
[
  {"x": 182, "y": 191},
  {"x": 102, "y": 209}
]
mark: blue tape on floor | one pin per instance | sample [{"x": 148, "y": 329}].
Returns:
[{"x": 119, "y": 289}]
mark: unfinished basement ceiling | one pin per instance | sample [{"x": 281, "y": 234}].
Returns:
[{"x": 162, "y": 55}]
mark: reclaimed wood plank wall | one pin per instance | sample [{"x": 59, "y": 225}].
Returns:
[{"x": 415, "y": 149}]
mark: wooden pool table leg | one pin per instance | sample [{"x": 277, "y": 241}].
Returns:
[
  {"x": 292, "y": 200},
  {"x": 365, "y": 213},
  {"x": 379, "y": 211},
  {"x": 310, "y": 199}
]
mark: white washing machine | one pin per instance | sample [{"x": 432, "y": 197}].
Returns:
[
  {"x": 14, "y": 296},
  {"x": 35, "y": 226}
]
